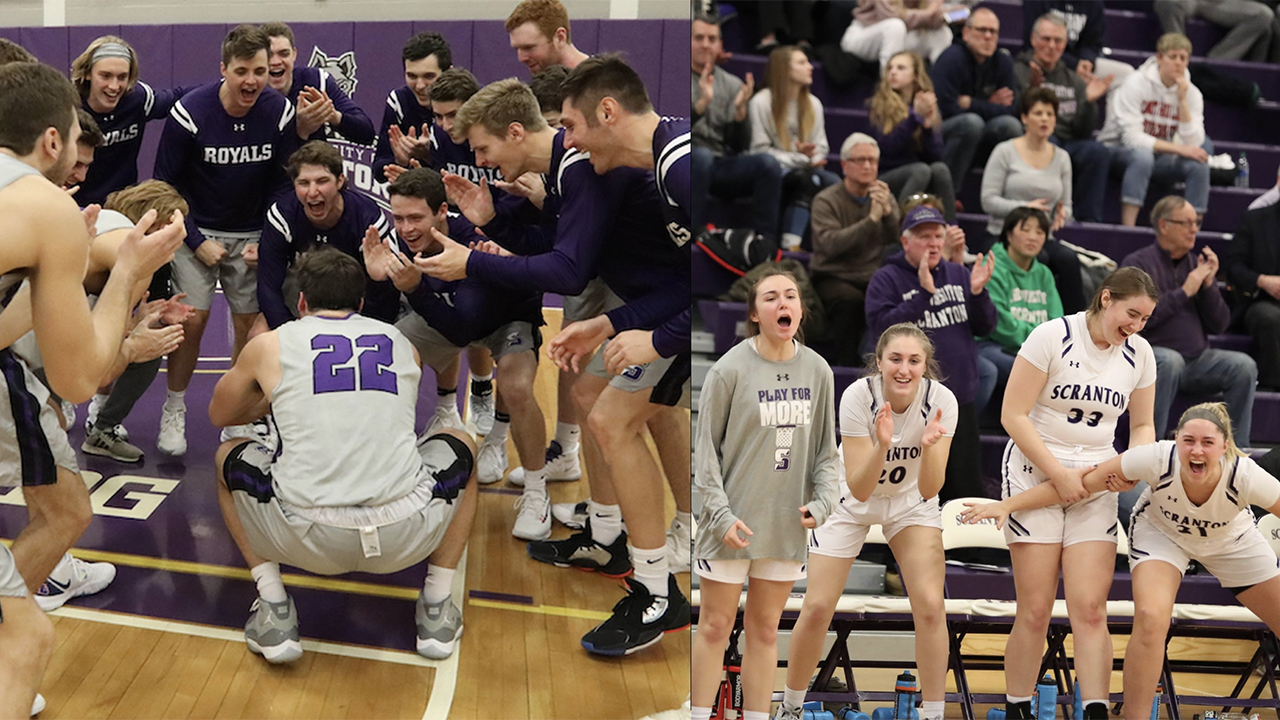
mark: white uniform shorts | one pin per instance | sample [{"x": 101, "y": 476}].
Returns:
[
  {"x": 736, "y": 572},
  {"x": 239, "y": 281},
  {"x": 1091, "y": 519},
  {"x": 33, "y": 444},
  {"x": 1239, "y": 566},
  {"x": 11, "y": 583},
  {"x": 844, "y": 533}
]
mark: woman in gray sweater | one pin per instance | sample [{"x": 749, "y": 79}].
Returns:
[
  {"x": 767, "y": 472},
  {"x": 1030, "y": 171}
]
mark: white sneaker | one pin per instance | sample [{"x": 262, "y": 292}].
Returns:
[
  {"x": 570, "y": 515},
  {"x": 173, "y": 432},
  {"x": 73, "y": 577},
  {"x": 533, "y": 516},
  {"x": 68, "y": 413},
  {"x": 679, "y": 547},
  {"x": 491, "y": 460},
  {"x": 445, "y": 416},
  {"x": 38, "y": 706},
  {"x": 562, "y": 466},
  {"x": 481, "y": 412}
]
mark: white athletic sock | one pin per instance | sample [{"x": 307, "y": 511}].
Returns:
[
  {"x": 932, "y": 710},
  {"x": 270, "y": 585},
  {"x": 482, "y": 378},
  {"x": 792, "y": 698},
  {"x": 535, "y": 480},
  {"x": 754, "y": 715},
  {"x": 100, "y": 399},
  {"x": 175, "y": 400},
  {"x": 499, "y": 431},
  {"x": 1012, "y": 699},
  {"x": 684, "y": 518},
  {"x": 438, "y": 585},
  {"x": 651, "y": 568},
  {"x": 606, "y": 522},
  {"x": 697, "y": 713},
  {"x": 447, "y": 399},
  {"x": 567, "y": 435}
]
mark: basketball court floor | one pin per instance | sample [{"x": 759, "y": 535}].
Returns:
[{"x": 165, "y": 640}]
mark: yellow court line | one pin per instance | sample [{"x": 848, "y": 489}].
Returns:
[{"x": 541, "y": 609}]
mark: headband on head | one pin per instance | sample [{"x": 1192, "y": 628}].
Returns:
[
  {"x": 111, "y": 50},
  {"x": 1205, "y": 414}
]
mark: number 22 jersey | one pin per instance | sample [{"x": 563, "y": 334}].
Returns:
[
  {"x": 344, "y": 411},
  {"x": 1087, "y": 389}
]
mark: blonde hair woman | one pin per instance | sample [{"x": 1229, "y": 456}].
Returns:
[{"x": 906, "y": 121}]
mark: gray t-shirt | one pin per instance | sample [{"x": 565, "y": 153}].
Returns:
[
  {"x": 1008, "y": 182},
  {"x": 716, "y": 129},
  {"x": 766, "y": 446}
]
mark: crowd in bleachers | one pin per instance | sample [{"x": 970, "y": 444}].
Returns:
[{"x": 1073, "y": 129}]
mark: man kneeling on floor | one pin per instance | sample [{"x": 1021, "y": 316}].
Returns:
[{"x": 340, "y": 496}]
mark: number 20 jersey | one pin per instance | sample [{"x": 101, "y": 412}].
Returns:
[
  {"x": 858, "y": 407},
  {"x": 344, "y": 410},
  {"x": 1087, "y": 389}
]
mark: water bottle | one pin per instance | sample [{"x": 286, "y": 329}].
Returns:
[
  {"x": 1044, "y": 706},
  {"x": 848, "y": 713},
  {"x": 1155, "y": 701},
  {"x": 1079, "y": 704},
  {"x": 995, "y": 714},
  {"x": 904, "y": 704},
  {"x": 816, "y": 711},
  {"x": 1242, "y": 171}
]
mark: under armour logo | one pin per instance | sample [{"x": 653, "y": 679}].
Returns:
[
  {"x": 783, "y": 376},
  {"x": 322, "y": 239},
  {"x": 238, "y": 127},
  {"x": 1027, "y": 469},
  {"x": 1074, "y": 363}
]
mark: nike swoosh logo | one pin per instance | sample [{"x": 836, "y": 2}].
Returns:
[
  {"x": 60, "y": 587},
  {"x": 650, "y": 562}
]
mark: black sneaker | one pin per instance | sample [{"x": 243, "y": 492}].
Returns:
[
  {"x": 639, "y": 620},
  {"x": 581, "y": 552}
]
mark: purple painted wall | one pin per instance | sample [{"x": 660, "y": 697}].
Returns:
[{"x": 188, "y": 54}]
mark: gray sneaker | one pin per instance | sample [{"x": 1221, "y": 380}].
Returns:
[
  {"x": 108, "y": 443},
  {"x": 439, "y": 627},
  {"x": 786, "y": 713},
  {"x": 272, "y": 631}
]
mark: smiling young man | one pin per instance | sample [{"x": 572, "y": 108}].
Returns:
[
  {"x": 106, "y": 76},
  {"x": 539, "y": 32},
  {"x": 223, "y": 148},
  {"x": 322, "y": 210},
  {"x": 317, "y": 99},
  {"x": 406, "y": 122}
]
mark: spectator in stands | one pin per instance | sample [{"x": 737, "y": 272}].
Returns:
[
  {"x": 1030, "y": 171},
  {"x": 1155, "y": 129},
  {"x": 787, "y": 122},
  {"x": 720, "y": 134},
  {"x": 884, "y": 28},
  {"x": 1253, "y": 268},
  {"x": 975, "y": 83},
  {"x": 1248, "y": 23},
  {"x": 953, "y": 247},
  {"x": 950, "y": 303},
  {"x": 1191, "y": 308},
  {"x": 855, "y": 223},
  {"x": 1021, "y": 288},
  {"x": 789, "y": 21},
  {"x": 1086, "y": 26},
  {"x": 906, "y": 121},
  {"x": 1044, "y": 67}
]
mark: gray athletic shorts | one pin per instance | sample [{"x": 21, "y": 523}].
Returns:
[
  {"x": 437, "y": 352},
  {"x": 32, "y": 442},
  {"x": 11, "y": 583},
  {"x": 239, "y": 281},
  {"x": 595, "y": 300},
  {"x": 667, "y": 379},
  {"x": 333, "y": 541}
]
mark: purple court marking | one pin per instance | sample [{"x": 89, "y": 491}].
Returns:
[
  {"x": 501, "y": 597},
  {"x": 501, "y": 491}
]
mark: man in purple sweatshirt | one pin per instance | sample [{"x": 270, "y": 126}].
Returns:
[
  {"x": 1191, "y": 307},
  {"x": 951, "y": 305}
]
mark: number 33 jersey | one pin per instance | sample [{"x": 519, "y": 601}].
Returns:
[
  {"x": 858, "y": 407},
  {"x": 345, "y": 410},
  {"x": 1087, "y": 389}
]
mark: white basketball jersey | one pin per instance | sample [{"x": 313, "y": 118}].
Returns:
[
  {"x": 344, "y": 410},
  {"x": 12, "y": 170},
  {"x": 1087, "y": 389},
  {"x": 858, "y": 408},
  {"x": 1209, "y": 527}
]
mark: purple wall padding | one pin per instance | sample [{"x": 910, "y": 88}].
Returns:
[{"x": 189, "y": 54}]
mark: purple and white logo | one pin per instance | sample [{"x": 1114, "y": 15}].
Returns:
[{"x": 341, "y": 67}]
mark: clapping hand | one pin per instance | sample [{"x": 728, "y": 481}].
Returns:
[
  {"x": 933, "y": 430},
  {"x": 981, "y": 273},
  {"x": 474, "y": 201}
]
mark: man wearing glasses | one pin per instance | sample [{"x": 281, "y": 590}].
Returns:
[
  {"x": 1191, "y": 308},
  {"x": 974, "y": 83}
]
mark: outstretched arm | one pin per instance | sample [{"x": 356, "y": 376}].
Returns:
[{"x": 1043, "y": 495}]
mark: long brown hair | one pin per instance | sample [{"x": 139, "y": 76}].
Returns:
[
  {"x": 778, "y": 74},
  {"x": 753, "y": 327},
  {"x": 1125, "y": 283},
  {"x": 904, "y": 329},
  {"x": 887, "y": 106}
]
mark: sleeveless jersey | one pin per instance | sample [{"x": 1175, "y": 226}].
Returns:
[
  {"x": 12, "y": 170},
  {"x": 344, "y": 410},
  {"x": 1087, "y": 389},
  {"x": 858, "y": 408},
  {"x": 1204, "y": 529}
]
